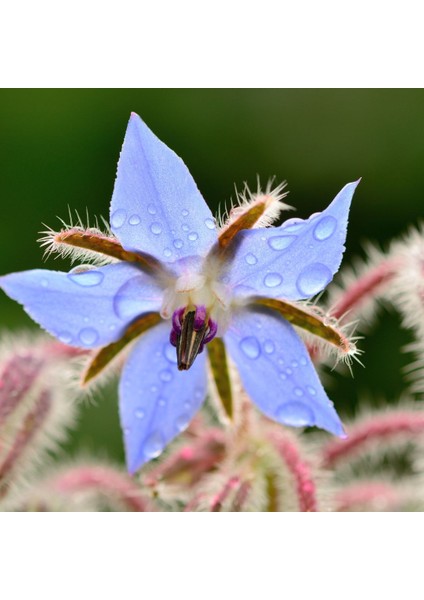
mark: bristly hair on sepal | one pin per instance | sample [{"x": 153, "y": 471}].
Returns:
[
  {"x": 270, "y": 198},
  {"x": 60, "y": 242}
]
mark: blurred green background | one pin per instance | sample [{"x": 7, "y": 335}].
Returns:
[{"x": 59, "y": 148}]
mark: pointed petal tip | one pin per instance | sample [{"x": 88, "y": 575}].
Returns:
[{"x": 134, "y": 115}]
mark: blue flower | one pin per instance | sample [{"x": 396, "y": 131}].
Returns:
[{"x": 205, "y": 282}]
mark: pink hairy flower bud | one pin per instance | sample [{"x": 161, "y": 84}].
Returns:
[
  {"x": 299, "y": 469},
  {"x": 106, "y": 481},
  {"x": 369, "y": 495},
  {"x": 377, "y": 429},
  {"x": 190, "y": 463}
]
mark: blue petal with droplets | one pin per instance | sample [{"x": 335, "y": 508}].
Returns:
[
  {"x": 157, "y": 401},
  {"x": 296, "y": 260},
  {"x": 84, "y": 309},
  {"x": 156, "y": 206},
  {"x": 277, "y": 372}
]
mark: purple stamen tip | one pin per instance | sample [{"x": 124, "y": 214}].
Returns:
[
  {"x": 176, "y": 319},
  {"x": 199, "y": 318},
  {"x": 173, "y": 337},
  {"x": 213, "y": 329}
]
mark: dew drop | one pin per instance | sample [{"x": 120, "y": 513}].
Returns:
[
  {"x": 88, "y": 336},
  {"x": 156, "y": 228},
  {"x": 292, "y": 225},
  {"x": 273, "y": 280},
  {"x": 154, "y": 389},
  {"x": 303, "y": 361},
  {"x": 294, "y": 363},
  {"x": 185, "y": 227},
  {"x": 325, "y": 228},
  {"x": 139, "y": 413},
  {"x": 298, "y": 392},
  {"x": 178, "y": 243},
  {"x": 313, "y": 279},
  {"x": 167, "y": 253},
  {"x": 283, "y": 376},
  {"x": 161, "y": 401},
  {"x": 118, "y": 218},
  {"x": 165, "y": 375},
  {"x": 192, "y": 236},
  {"x": 251, "y": 259},
  {"x": 153, "y": 445},
  {"x": 170, "y": 354},
  {"x": 269, "y": 347},
  {"x": 134, "y": 220},
  {"x": 87, "y": 278},
  {"x": 187, "y": 405},
  {"x": 44, "y": 283},
  {"x": 281, "y": 242},
  {"x": 250, "y": 347},
  {"x": 151, "y": 209},
  {"x": 295, "y": 414},
  {"x": 210, "y": 223},
  {"x": 182, "y": 422},
  {"x": 126, "y": 303},
  {"x": 311, "y": 390},
  {"x": 198, "y": 394},
  {"x": 184, "y": 212},
  {"x": 289, "y": 371},
  {"x": 65, "y": 337}
]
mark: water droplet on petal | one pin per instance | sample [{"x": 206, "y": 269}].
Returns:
[
  {"x": 167, "y": 253},
  {"x": 289, "y": 371},
  {"x": 178, "y": 243},
  {"x": 88, "y": 336},
  {"x": 295, "y": 414},
  {"x": 126, "y": 303},
  {"x": 165, "y": 375},
  {"x": 118, "y": 218},
  {"x": 44, "y": 283},
  {"x": 283, "y": 375},
  {"x": 292, "y": 225},
  {"x": 151, "y": 209},
  {"x": 210, "y": 223},
  {"x": 170, "y": 353},
  {"x": 250, "y": 347},
  {"x": 65, "y": 337},
  {"x": 273, "y": 280},
  {"x": 281, "y": 242},
  {"x": 184, "y": 212},
  {"x": 182, "y": 422},
  {"x": 154, "y": 389},
  {"x": 325, "y": 228},
  {"x": 134, "y": 220},
  {"x": 161, "y": 401},
  {"x": 156, "y": 228},
  {"x": 185, "y": 227},
  {"x": 298, "y": 392},
  {"x": 199, "y": 394},
  {"x": 303, "y": 361},
  {"x": 139, "y": 413},
  {"x": 311, "y": 390},
  {"x": 153, "y": 445},
  {"x": 251, "y": 259},
  {"x": 192, "y": 236},
  {"x": 294, "y": 363},
  {"x": 269, "y": 347},
  {"x": 87, "y": 278},
  {"x": 313, "y": 279}
]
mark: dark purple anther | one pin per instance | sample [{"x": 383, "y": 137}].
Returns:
[{"x": 191, "y": 330}]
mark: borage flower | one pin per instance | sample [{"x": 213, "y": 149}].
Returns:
[{"x": 186, "y": 285}]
